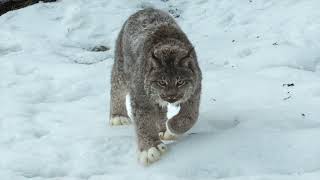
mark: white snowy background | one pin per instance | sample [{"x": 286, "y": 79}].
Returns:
[{"x": 54, "y": 92}]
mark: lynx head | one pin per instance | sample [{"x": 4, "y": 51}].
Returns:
[{"x": 171, "y": 73}]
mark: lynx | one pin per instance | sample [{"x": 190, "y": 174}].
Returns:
[{"x": 155, "y": 64}]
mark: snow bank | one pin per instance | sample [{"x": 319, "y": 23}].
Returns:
[{"x": 54, "y": 92}]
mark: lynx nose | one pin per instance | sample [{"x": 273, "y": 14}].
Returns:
[{"x": 170, "y": 98}]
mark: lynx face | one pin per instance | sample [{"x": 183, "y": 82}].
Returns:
[{"x": 171, "y": 75}]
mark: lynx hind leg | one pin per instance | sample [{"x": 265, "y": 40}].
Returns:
[{"x": 118, "y": 110}]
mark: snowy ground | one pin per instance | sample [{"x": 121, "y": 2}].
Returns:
[{"x": 54, "y": 92}]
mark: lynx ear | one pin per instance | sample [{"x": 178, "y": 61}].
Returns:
[
  {"x": 155, "y": 62},
  {"x": 186, "y": 60}
]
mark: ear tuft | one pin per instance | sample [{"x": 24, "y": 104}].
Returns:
[{"x": 189, "y": 52}]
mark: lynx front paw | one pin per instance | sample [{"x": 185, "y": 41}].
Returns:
[
  {"x": 119, "y": 120},
  {"x": 167, "y": 136},
  {"x": 152, "y": 155}
]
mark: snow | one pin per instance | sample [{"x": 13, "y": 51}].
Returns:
[{"x": 54, "y": 92}]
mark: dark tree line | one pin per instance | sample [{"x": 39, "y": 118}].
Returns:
[{"x": 9, "y": 5}]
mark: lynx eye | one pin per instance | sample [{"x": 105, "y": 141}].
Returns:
[
  {"x": 162, "y": 83},
  {"x": 180, "y": 82}
]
